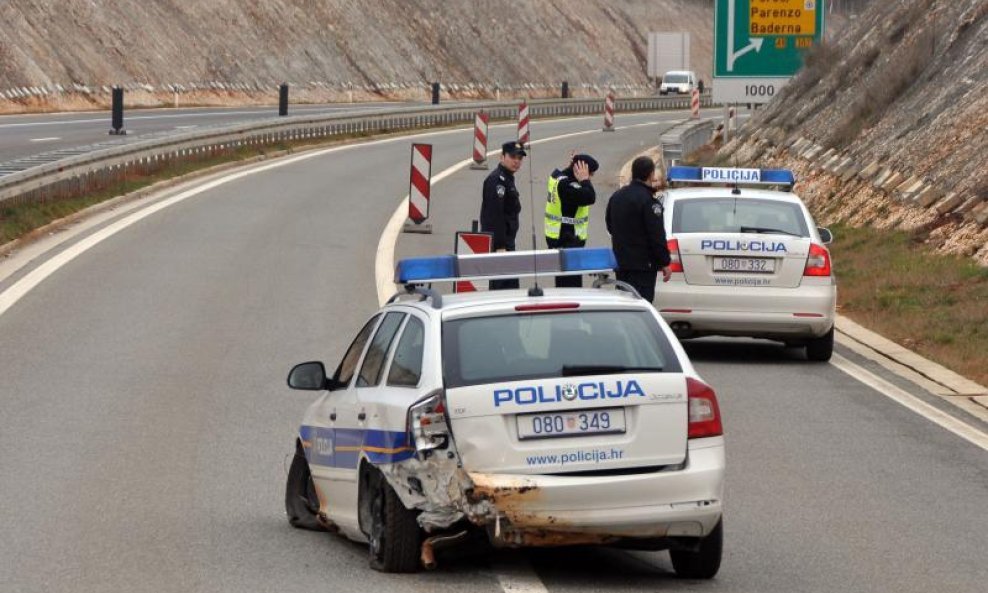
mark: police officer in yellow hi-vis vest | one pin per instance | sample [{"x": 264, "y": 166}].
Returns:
[{"x": 567, "y": 208}]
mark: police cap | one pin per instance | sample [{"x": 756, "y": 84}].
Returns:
[
  {"x": 514, "y": 148},
  {"x": 591, "y": 162}
]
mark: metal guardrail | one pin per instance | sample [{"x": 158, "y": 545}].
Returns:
[
  {"x": 685, "y": 138},
  {"x": 98, "y": 170}
]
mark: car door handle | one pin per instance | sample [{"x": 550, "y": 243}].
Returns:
[
  {"x": 362, "y": 416},
  {"x": 332, "y": 416}
]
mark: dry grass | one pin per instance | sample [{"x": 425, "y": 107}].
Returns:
[
  {"x": 933, "y": 304},
  {"x": 20, "y": 220}
]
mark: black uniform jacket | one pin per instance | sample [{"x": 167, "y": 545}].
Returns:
[
  {"x": 634, "y": 220},
  {"x": 500, "y": 208},
  {"x": 572, "y": 195}
]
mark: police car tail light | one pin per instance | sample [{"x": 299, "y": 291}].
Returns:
[
  {"x": 675, "y": 262},
  {"x": 427, "y": 423},
  {"x": 704, "y": 413},
  {"x": 818, "y": 261}
]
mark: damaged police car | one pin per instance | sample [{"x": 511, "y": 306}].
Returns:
[{"x": 529, "y": 418}]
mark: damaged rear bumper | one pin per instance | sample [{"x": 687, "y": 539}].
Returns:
[{"x": 552, "y": 510}]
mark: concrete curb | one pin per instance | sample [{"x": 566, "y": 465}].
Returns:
[{"x": 970, "y": 396}]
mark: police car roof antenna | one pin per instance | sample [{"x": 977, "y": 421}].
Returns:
[{"x": 535, "y": 291}]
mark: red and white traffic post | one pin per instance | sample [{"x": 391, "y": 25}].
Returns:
[
  {"x": 480, "y": 141},
  {"x": 695, "y": 103},
  {"x": 523, "y": 135},
  {"x": 420, "y": 187},
  {"x": 609, "y": 112},
  {"x": 468, "y": 244}
]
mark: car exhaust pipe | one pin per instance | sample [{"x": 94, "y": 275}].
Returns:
[{"x": 438, "y": 542}]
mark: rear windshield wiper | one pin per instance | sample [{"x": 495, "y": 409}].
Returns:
[
  {"x": 604, "y": 369},
  {"x": 768, "y": 231}
]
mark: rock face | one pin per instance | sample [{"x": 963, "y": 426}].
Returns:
[
  {"x": 389, "y": 48},
  {"x": 888, "y": 123}
]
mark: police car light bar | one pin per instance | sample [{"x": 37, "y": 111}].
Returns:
[
  {"x": 510, "y": 264},
  {"x": 698, "y": 175}
]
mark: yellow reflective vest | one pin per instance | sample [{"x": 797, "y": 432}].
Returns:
[{"x": 554, "y": 219}]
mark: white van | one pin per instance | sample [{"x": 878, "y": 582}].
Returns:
[{"x": 680, "y": 82}]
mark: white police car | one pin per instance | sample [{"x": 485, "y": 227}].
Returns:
[
  {"x": 528, "y": 419},
  {"x": 746, "y": 262}
]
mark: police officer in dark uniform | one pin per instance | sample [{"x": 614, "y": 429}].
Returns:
[
  {"x": 567, "y": 209},
  {"x": 638, "y": 237},
  {"x": 500, "y": 207}
]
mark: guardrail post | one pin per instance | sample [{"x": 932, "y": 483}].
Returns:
[
  {"x": 116, "y": 125},
  {"x": 283, "y": 100}
]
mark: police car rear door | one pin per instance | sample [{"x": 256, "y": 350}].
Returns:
[
  {"x": 559, "y": 388},
  {"x": 739, "y": 240}
]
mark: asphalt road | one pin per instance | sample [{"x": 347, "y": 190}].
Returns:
[
  {"x": 146, "y": 426},
  {"x": 26, "y": 135}
]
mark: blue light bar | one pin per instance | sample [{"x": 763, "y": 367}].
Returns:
[
  {"x": 682, "y": 174},
  {"x": 512, "y": 264},
  {"x": 730, "y": 175},
  {"x": 778, "y": 176},
  {"x": 425, "y": 269},
  {"x": 588, "y": 259}
]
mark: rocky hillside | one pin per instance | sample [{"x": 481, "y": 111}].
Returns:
[
  {"x": 65, "y": 53},
  {"x": 888, "y": 123}
]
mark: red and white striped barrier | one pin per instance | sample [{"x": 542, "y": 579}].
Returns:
[
  {"x": 470, "y": 243},
  {"x": 695, "y": 103},
  {"x": 609, "y": 112},
  {"x": 420, "y": 187},
  {"x": 523, "y": 135},
  {"x": 480, "y": 141}
]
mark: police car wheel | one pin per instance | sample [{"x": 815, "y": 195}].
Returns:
[
  {"x": 820, "y": 349},
  {"x": 301, "y": 501},
  {"x": 704, "y": 562},
  {"x": 394, "y": 535}
]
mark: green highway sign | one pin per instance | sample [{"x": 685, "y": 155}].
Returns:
[{"x": 759, "y": 45}]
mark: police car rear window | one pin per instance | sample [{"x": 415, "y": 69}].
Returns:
[
  {"x": 479, "y": 350},
  {"x": 736, "y": 215}
]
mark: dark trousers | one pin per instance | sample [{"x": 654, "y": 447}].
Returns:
[
  {"x": 566, "y": 281},
  {"x": 641, "y": 280}
]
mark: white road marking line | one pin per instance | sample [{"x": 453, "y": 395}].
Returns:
[
  {"x": 186, "y": 127},
  {"x": 518, "y": 577},
  {"x": 272, "y": 112},
  {"x": 384, "y": 263},
  {"x": 16, "y": 291},
  {"x": 931, "y": 413},
  {"x": 53, "y": 138}
]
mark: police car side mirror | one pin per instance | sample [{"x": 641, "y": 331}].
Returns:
[
  {"x": 825, "y": 235},
  {"x": 310, "y": 376}
]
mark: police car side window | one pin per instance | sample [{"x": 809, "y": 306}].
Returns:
[
  {"x": 406, "y": 366},
  {"x": 349, "y": 363},
  {"x": 370, "y": 371}
]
